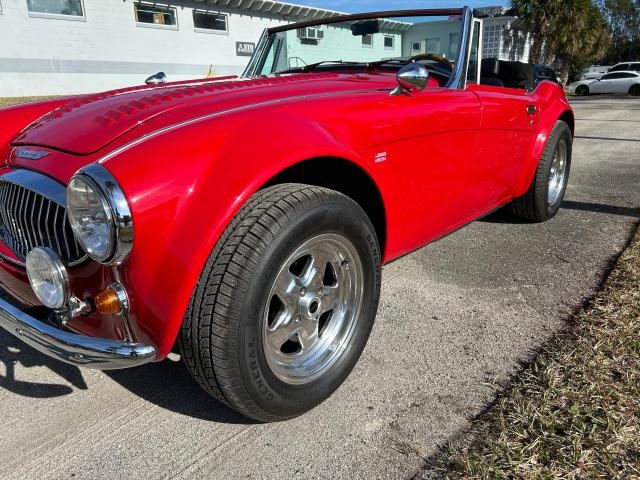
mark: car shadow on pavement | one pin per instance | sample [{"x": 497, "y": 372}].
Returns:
[
  {"x": 607, "y": 139},
  {"x": 602, "y": 208},
  {"x": 166, "y": 384},
  {"x": 13, "y": 352},
  {"x": 504, "y": 215},
  {"x": 169, "y": 385}
]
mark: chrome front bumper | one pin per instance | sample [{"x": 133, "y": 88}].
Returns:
[{"x": 89, "y": 352}]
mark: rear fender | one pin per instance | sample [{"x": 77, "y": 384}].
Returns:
[{"x": 552, "y": 106}]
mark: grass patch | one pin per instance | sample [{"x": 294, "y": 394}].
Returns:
[
  {"x": 575, "y": 411},
  {"x": 5, "y": 102}
]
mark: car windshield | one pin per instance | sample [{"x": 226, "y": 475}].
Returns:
[{"x": 385, "y": 42}]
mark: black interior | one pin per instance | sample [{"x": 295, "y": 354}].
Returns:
[
  {"x": 499, "y": 73},
  {"x": 490, "y": 72}
]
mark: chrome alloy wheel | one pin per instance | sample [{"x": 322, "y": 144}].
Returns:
[
  {"x": 558, "y": 172},
  {"x": 313, "y": 308}
]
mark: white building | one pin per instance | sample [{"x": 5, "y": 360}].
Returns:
[
  {"x": 55, "y": 47},
  {"x": 505, "y": 37},
  {"x": 58, "y": 47}
]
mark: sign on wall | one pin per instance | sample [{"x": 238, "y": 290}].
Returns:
[{"x": 245, "y": 49}]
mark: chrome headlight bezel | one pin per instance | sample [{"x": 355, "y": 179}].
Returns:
[{"x": 116, "y": 209}]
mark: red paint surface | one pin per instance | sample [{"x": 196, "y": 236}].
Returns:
[{"x": 188, "y": 156}]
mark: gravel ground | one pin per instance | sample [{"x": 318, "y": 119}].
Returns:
[{"x": 456, "y": 318}]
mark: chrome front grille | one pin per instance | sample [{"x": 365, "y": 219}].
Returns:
[{"x": 32, "y": 214}]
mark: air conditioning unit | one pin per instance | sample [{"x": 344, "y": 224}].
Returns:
[{"x": 310, "y": 33}]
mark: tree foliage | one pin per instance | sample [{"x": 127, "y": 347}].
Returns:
[
  {"x": 624, "y": 18},
  {"x": 571, "y": 33}
]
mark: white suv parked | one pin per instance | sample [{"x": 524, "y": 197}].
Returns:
[{"x": 626, "y": 67}]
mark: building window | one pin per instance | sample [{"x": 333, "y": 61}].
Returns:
[
  {"x": 433, "y": 45},
  {"x": 310, "y": 36},
  {"x": 210, "y": 21},
  {"x": 367, "y": 40},
  {"x": 492, "y": 41},
  {"x": 416, "y": 47},
  {"x": 454, "y": 40},
  {"x": 155, "y": 15},
  {"x": 389, "y": 42},
  {"x": 72, "y": 9},
  {"x": 310, "y": 32}
]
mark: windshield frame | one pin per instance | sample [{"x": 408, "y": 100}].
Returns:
[{"x": 458, "y": 76}]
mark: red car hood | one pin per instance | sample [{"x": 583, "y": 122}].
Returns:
[{"x": 89, "y": 124}]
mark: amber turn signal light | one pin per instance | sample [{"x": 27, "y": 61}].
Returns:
[{"x": 112, "y": 300}]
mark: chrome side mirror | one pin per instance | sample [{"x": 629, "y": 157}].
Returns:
[
  {"x": 156, "y": 79},
  {"x": 411, "y": 78}
]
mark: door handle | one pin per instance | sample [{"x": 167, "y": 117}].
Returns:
[{"x": 531, "y": 109}]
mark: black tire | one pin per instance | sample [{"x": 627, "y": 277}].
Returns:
[
  {"x": 535, "y": 206},
  {"x": 634, "y": 90},
  {"x": 582, "y": 90},
  {"x": 221, "y": 337}
]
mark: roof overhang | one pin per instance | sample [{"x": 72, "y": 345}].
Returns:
[
  {"x": 388, "y": 24},
  {"x": 270, "y": 7}
]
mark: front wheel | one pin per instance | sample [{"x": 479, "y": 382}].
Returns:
[
  {"x": 545, "y": 195},
  {"x": 286, "y": 302}
]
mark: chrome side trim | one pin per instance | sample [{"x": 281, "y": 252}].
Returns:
[
  {"x": 122, "y": 220},
  {"x": 79, "y": 350}
]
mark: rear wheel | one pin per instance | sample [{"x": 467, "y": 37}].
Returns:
[
  {"x": 635, "y": 90},
  {"x": 582, "y": 90},
  {"x": 547, "y": 190},
  {"x": 286, "y": 302}
]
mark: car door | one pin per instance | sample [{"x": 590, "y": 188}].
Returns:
[
  {"x": 622, "y": 82},
  {"x": 509, "y": 119},
  {"x": 508, "y": 122},
  {"x": 422, "y": 143},
  {"x": 606, "y": 84}
]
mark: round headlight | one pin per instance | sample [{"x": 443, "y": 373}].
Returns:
[
  {"x": 48, "y": 277},
  {"x": 90, "y": 217}
]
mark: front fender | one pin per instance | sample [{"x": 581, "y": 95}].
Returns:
[
  {"x": 552, "y": 105},
  {"x": 185, "y": 187}
]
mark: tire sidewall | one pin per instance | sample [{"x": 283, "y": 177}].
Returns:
[
  {"x": 270, "y": 394},
  {"x": 560, "y": 132}
]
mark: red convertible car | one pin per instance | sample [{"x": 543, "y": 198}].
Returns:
[{"x": 245, "y": 220}]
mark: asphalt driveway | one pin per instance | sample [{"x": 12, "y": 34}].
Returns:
[{"x": 455, "y": 319}]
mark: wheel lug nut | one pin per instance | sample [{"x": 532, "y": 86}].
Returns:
[
  {"x": 321, "y": 292},
  {"x": 303, "y": 292},
  {"x": 346, "y": 264}
]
